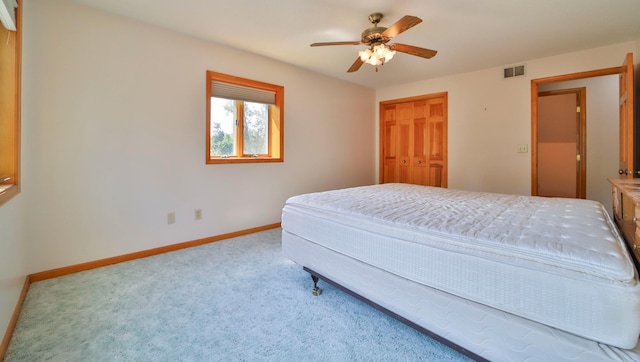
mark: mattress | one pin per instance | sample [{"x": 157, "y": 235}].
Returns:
[{"x": 559, "y": 262}]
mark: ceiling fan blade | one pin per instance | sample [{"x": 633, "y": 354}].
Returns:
[
  {"x": 404, "y": 24},
  {"x": 337, "y": 43},
  {"x": 356, "y": 65},
  {"x": 417, "y": 51}
]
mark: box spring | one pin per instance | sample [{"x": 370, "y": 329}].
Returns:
[{"x": 476, "y": 328}]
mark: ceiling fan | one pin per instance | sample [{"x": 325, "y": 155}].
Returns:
[{"x": 377, "y": 37}]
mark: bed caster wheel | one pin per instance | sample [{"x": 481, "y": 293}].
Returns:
[{"x": 316, "y": 290}]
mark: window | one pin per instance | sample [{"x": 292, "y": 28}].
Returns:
[
  {"x": 244, "y": 120},
  {"x": 10, "y": 111}
]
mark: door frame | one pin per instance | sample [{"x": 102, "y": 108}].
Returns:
[
  {"x": 581, "y": 139},
  {"x": 534, "y": 112}
]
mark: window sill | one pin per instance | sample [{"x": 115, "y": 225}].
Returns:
[
  {"x": 7, "y": 192},
  {"x": 243, "y": 160}
]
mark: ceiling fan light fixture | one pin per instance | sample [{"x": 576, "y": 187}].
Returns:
[
  {"x": 377, "y": 55},
  {"x": 388, "y": 53},
  {"x": 365, "y": 55}
]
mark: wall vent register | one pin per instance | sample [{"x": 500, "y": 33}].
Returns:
[{"x": 515, "y": 71}]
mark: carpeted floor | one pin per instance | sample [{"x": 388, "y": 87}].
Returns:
[{"x": 233, "y": 300}]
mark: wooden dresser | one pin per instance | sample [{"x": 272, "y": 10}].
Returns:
[{"x": 626, "y": 212}]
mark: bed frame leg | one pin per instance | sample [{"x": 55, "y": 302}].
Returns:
[{"x": 316, "y": 291}]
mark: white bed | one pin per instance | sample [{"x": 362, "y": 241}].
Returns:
[{"x": 503, "y": 276}]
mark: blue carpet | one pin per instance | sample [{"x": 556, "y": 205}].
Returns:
[{"x": 233, "y": 300}]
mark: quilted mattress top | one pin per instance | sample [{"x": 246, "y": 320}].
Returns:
[{"x": 571, "y": 236}]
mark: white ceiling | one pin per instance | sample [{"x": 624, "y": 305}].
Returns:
[{"x": 468, "y": 34}]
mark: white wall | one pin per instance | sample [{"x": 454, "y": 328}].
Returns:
[
  {"x": 489, "y": 116},
  {"x": 114, "y": 137}
]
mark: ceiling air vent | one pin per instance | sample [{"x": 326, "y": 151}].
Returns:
[{"x": 515, "y": 71}]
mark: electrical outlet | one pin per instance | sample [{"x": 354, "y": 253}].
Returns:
[
  {"x": 171, "y": 218},
  {"x": 523, "y": 148},
  {"x": 197, "y": 214}
]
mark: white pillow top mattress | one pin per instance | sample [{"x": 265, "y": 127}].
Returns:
[{"x": 560, "y": 262}]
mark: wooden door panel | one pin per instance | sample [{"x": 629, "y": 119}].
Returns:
[
  {"x": 390, "y": 141},
  {"x": 420, "y": 109},
  {"x": 436, "y": 108},
  {"x": 404, "y": 157},
  {"x": 627, "y": 167},
  {"x": 404, "y": 137},
  {"x": 389, "y": 153},
  {"x": 419, "y": 138},
  {"x": 419, "y": 171},
  {"x": 389, "y": 144},
  {"x": 404, "y": 113},
  {"x": 390, "y": 171},
  {"x": 404, "y": 134},
  {"x": 435, "y": 174},
  {"x": 404, "y": 175},
  {"x": 420, "y": 175},
  {"x": 436, "y": 142}
]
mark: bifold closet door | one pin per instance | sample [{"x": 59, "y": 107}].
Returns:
[{"x": 413, "y": 142}]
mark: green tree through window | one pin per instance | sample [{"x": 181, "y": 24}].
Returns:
[
  {"x": 221, "y": 143},
  {"x": 256, "y": 121}
]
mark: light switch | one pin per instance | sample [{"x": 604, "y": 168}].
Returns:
[{"x": 523, "y": 148}]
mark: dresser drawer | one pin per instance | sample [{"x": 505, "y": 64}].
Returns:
[{"x": 626, "y": 212}]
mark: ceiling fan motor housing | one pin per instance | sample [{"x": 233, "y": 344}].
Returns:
[{"x": 374, "y": 35}]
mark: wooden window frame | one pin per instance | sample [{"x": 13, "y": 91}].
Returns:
[
  {"x": 276, "y": 121},
  {"x": 10, "y": 85}
]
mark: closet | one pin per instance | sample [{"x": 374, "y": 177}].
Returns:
[{"x": 413, "y": 140}]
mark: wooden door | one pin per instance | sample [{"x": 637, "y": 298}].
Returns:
[
  {"x": 627, "y": 167},
  {"x": 413, "y": 140}
]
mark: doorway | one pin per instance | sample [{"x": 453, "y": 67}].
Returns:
[
  {"x": 610, "y": 105},
  {"x": 561, "y": 143},
  {"x": 602, "y": 86}
]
